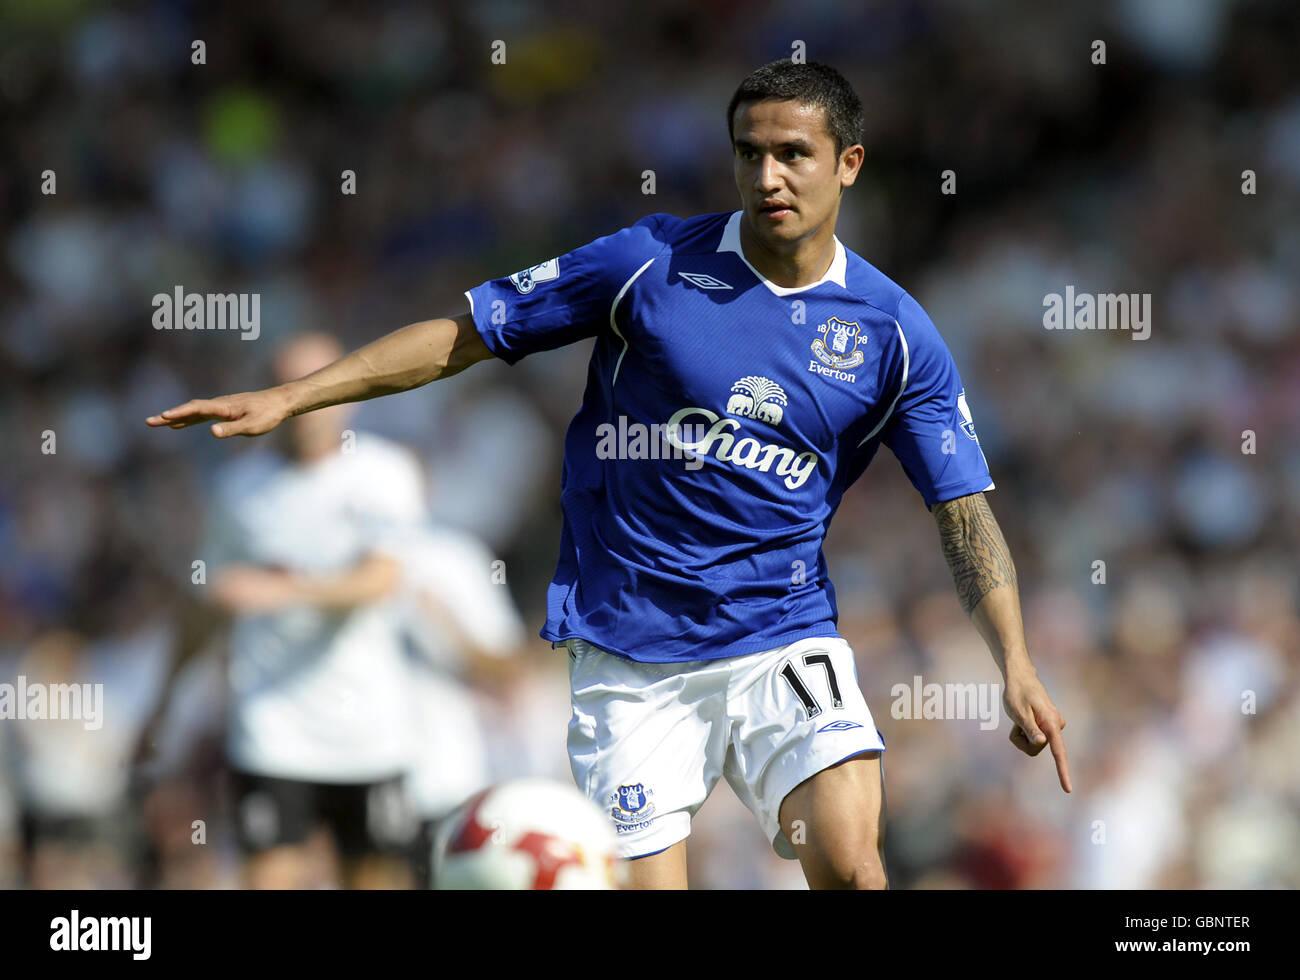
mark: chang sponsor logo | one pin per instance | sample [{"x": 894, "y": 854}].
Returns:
[{"x": 720, "y": 442}]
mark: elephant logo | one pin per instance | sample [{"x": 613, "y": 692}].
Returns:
[
  {"x": 740, "y": 404},
  {"x": 757, "y": 398}
]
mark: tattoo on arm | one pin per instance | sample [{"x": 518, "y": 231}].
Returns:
[{"x": 974, "y": 548}]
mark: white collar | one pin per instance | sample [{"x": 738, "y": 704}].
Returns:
[{"x": 731, "y": 243}]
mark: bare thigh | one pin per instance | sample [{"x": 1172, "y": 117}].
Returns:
[
  {"x": 836, "y": 822},
  {"x": 667, "y": 869}
]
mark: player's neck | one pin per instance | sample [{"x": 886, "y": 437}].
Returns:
[{"x": 801, "y": 263}]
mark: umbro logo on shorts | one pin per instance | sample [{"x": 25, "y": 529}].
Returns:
[{"x": 838, "y": 726}]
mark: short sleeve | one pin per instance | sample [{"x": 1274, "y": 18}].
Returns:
[
  {"x": 564, "y": 299},
  {"x": 931, "y": 430}
]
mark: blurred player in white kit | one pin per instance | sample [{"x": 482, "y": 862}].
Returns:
[{"x": 302, "y": 557}]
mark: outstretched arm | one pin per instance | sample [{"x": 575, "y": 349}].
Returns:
[
  {"x": 986, "y": 583},
  {"x": 406, "y": 358}
]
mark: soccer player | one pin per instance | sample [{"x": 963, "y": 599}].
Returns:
[
  {"x": 768, "y": 364},
  {"x": 304, "y": 558}
]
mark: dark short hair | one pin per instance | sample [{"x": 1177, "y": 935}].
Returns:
[{"x": 812, "y": 83}]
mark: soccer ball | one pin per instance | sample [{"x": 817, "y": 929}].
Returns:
[{"x": 527, "y": 834}]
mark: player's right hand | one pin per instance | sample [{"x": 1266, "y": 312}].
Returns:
[{"x": 251, "y": 413}]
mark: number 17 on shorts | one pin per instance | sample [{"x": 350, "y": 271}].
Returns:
[{"x": 648, "y": 742}]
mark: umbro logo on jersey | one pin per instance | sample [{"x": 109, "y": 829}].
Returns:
[
  {"x": 542, "y": 272},
  {"x": 838, "y": 726},
  {"x": 757, "y": 398},
  {"x": 704, "y": 281}
]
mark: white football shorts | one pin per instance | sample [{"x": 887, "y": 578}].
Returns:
[{"x": 647, "y": 742}]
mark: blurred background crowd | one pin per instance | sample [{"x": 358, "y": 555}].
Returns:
[{"x": 1176, "y": 664}]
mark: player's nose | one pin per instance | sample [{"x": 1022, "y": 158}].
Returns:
[{"x": 765, "y": 176}]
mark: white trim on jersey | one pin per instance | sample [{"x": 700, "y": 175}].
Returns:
[
  {"x": 614, "y": 326},
  {"x": 907, "y": 360},
  {"x": 730, "y": 242}
]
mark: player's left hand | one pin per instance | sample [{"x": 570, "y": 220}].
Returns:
[{"x": 1036, "y": 723}]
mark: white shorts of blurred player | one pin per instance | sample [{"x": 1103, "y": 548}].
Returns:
[{"x": 647, "y": 742}]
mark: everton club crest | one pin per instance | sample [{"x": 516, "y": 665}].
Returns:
[
  {"x": 837, "y": 347},
  {"x": 631, "y": 808}
]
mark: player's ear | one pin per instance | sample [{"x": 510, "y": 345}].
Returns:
[{"x": 850, "y": 164}]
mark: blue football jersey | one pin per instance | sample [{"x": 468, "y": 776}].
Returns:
[{"x": 724, "y": 416}]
